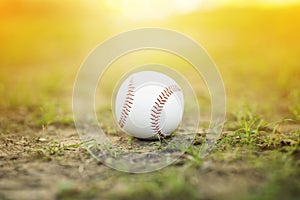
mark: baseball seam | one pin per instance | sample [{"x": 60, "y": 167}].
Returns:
[
  {"x": 127, "y": 104},
  {"x": 158, "y": 106}
]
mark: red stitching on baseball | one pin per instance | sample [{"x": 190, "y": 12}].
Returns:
[
  {"x": 157, "y": 108},
  {"x": 127, "y": 104}
]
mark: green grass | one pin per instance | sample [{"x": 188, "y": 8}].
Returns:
[
  {"x": 283, "y": 182},
  {"x": 51, "y": 114},
  {"x": 164, "y": 186},
  {"x": 192, "y": 154},
  {"x": 170, "y": 185},
  {"x": 295, "y": 111},
  {"x": 53, "y": 149},
  {"x": 69, "y": 191}
]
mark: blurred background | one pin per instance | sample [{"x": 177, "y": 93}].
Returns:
[{"x": 255, "y": 45}]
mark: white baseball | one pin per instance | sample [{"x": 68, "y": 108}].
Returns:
[{"x": 149, "y": 105}]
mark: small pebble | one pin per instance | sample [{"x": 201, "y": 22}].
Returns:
[{"x": 42, "y": 139}]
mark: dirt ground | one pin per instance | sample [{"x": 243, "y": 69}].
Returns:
[{"x": 50, "y": 163}]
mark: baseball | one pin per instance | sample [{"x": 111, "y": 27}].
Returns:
[{"x": 149, "y": 105}]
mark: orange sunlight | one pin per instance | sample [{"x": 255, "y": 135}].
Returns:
[{"x": 139, "y": 10}]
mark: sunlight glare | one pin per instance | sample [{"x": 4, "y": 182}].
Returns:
[
  {"x": 184, "y": 6},
  {"x": 139, "y": 10},
  {"x": 145, "y": 9},
  {"x": 156, "y": 9}
]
